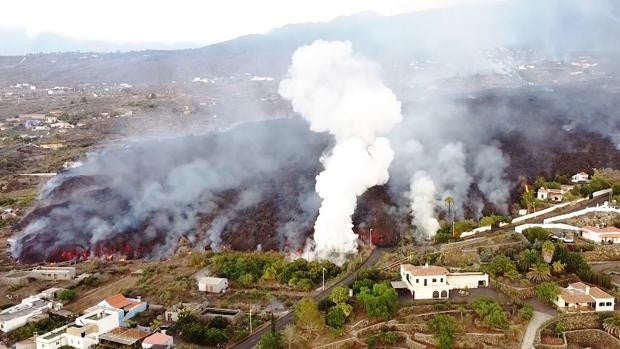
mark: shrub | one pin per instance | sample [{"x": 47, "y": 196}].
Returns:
[
  {"x": 443, "y": 326},
  {"x": 66, "y": 295},
  {"x": 380, "y": 302}
]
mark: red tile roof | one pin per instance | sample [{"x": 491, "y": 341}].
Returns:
[
  {"x": 120, "y": 302},
  {"x": 157, "y": 339},
  {"x": 424, "y": 270}
]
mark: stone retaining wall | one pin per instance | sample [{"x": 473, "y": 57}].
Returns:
[{"x": 585, "y": 338}]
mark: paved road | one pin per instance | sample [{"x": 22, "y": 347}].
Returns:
[
  {"x": 252, "y": 340},
  {"x": 530, "y": 333}
]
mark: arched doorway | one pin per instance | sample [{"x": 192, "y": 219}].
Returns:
[
  {"x": 435, "y": 294},
  {"x": 444, "y": 294}
]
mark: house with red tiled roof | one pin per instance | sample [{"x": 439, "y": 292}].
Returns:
[
  {"x": 158, "y": 340},
  {"x": 582, "y": 297},
  {"x": 436, "y": 282},
  {"x": 127, "y": 307},
  {"x": 607, "y": 235}
]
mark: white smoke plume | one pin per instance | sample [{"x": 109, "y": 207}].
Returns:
[
  {"x": 451, "y": 175},
  {"x": 341, "y": 93},
  {"x": 422, "y": 199},
  {"x": 490, "y": 166}
]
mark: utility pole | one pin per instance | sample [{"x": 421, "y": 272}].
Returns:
[
  {"x": 250, "y": 320},
  {"x": 370, "y": 237},
  {"x": 323, "y": 289}
]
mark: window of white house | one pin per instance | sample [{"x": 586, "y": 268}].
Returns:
[
  {"x": 609, "y": 304},
  {"x": 434, "y": 280}
]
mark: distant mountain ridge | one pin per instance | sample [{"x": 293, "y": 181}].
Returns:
[{"x": 458, "y": 36}]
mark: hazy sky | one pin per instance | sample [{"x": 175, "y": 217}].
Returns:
[{"x": 183, "y": 21}]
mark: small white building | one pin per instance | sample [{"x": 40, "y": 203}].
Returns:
[
  {"x": 555, "y": 195},
  {"x": 29, "y": 308},
  {"x": 580, "y": 177},
  {"x": 53, "y": 273},
  {"x": 212, "y": 284},
  {"x": 582, "y": 297},
  {"x": 435, "y": 282},
  {"x": 608, "y": 235}
]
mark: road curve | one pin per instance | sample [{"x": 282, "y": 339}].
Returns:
[{"x": 252, "y": 340}]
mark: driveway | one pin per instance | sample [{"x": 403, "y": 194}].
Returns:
[{"x": 537, "y": 320}]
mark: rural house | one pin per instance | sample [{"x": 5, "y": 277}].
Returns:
[
  {"x": 582, "y": 297},
  {"x": 580, "y": 177},
  {"x": 435, "y": 282},
  {"x": 129, "y": 307},
  {"x": 608, "y": 235}
]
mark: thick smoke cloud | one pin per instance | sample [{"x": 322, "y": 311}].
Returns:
[
  {"x": 341, "y": 93},
  {"x": 488, "y": 94},
  {"x": 151, "y": 192}
]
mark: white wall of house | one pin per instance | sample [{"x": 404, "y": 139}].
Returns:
[
  {"x": 213, "y": 285},
  {"x": 52, "y": 340},
  {"x": 604, "y": 304},
  {"x": 468, "y": 280},
  {"x": 105, "y": 323},
  {"x": 27, "y": 309},
  {"x": 80, "y": 342}
]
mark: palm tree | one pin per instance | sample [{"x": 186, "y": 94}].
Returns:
[
  {"x": 547, "y": 251},
  {"x": 612, "y": 325},
  {"x": 558, "y": 267},
  {"x": 449, "y": 200},
  {"x": 527, "y": 258},
  {"x": 539, "y": 272}
]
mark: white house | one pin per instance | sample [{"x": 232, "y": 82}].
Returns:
[
  {"x": 608, "y": 235},
  {"x": 555, "y": 195},
  {"x": 126, "y": 307},
  {"x": 86, "y": 331},
  {"x": 212, "y": 284},
  {"x": 580, "y": 177},
  {"x": 158, "y": 340},
  {"x": 29, "y": 308},
  {"x": 579, "y": 296},
  {"x": 435, "y": 282}
]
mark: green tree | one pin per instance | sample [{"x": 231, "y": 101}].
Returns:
[
  {"x": 66, "y": 295},
  {"x": 444, "y": 327},
  {"x": 491, "y": 313},
  {"x": 380, "y": 302},
  {"x": 527, "y": 258},
  {"x": 536, "y": 233},
  {"x": 339, "y": 294},
  {"x": 547, "y": 292},
  {"x": 526, "y": 312},
  {"x": 336, "y": 319},
  {"x": 500, "y": 265},
  {"x": 539, "y": 272},
  {"x": 559, "y": 328},
  {"x": 307, "y": 314}
]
